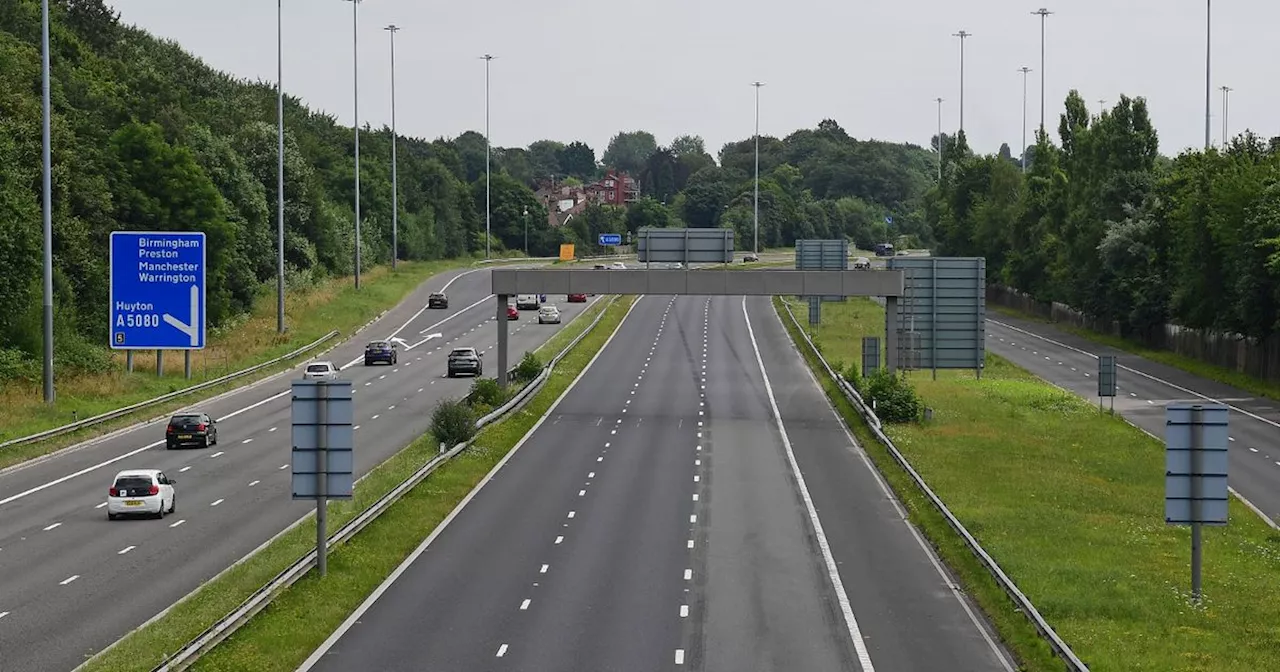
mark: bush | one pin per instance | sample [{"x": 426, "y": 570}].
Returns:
[
  {"x": 17, "y": 365},
  {"x": 485, "y": 392},
  {"x": 894, "y": 398},
  {"x": 529, "y": 368},
  {"x": 851, "y": 374},
  {"x": 453, "y": 422}
]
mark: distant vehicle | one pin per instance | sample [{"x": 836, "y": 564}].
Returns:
[
  {"x": 512, "y": 312},
  {"x": 750, "y": 256},
  {"x": 190, "y": 429},
  {"x": 136, "y": 492},
  {"x": 576, "y": 298},
  {"x": 675, "y": 265},
  {"x": 465, "y": 360},
  {"x": 884, "y": 250},
  {"x": 618, "y": 266},
  {"x": 861, "y": 263},
  {"x": 548, "y": 315},
  {"x": 527, "y": 302},
  {"x": 601, "y": 267},
  {"x": 380, "y": 351},
  {"x": 320, "y": 371},
  {"x": 438, "y": 300}
]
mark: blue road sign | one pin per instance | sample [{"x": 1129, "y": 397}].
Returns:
[
  {"x": 157, "y": 290},
  {"x": 610, "y": 239}
]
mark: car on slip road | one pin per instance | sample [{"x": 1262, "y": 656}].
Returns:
[
  {"x": 438, "y": 300},
  {"x": 465, "y": 360},
  {"x": 187, "y": 430},
  {"x": 380, "y": 351},
  {"x": 147, "y": 492},
  {"x": 576, "y": 298}
]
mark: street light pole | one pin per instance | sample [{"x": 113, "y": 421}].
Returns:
[
  {"x": 1042, "y": 13},
  {"x": 395, "y": 188},
  {"x": 1226, "y": 112},
  {"x": 487, "y": 219},
  {"x": 939, "y": 101},
  {"x": 755, "y": 246},
  {"x": 962, "y": 35},
  {"x": 526, "y": 231},
  {"x": 1208, "y": 72},
  {"x": 1102, "y": 106},
  {"x": 355, "y": 97},
  {"x": 280, "y": 166},
  {"x": 1024, "y": 70},
  {"x": 47, "y": 198}
]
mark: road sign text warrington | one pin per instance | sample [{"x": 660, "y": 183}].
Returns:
[{"x": 157, "y": 291}]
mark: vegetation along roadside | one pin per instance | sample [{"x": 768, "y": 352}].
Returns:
[
  {"x": 356, "y": 566},
  {"x": 252, "y": 339},
  {"x": 1069, "y": 502}
]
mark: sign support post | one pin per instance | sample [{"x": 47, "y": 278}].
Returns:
[{"x": 322, "y": 486}]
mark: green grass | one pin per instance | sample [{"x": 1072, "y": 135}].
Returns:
[
  {"x": 1069, "y": 501},
  {"x": 1191, "y": 365},
  {"x": 251, "y": 340},
  {"x": 430, "y": 501}
]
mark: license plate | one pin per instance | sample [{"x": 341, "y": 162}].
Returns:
[
  {"x": 184, "y": 436},
  {"x": 133, "y": 503}
]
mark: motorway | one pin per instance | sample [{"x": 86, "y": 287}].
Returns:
[
  {"x": 1144, "y": 389},
  {"x": 664, "y": 514},
  {"x": 71, "y": 583}
]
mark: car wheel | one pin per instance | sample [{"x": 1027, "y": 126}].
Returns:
[
  {"x": 448, "y": 375},
  {"x": 111, "y": 516},
  {"x": 160, "y": 514},
  {"x": 207, "y": 443},
  {"x": 367, "y": 362},
  {"x": 168, "y": 445},
  {"x": 215, "y": 437},
  {"x": 173, "y": 506}
]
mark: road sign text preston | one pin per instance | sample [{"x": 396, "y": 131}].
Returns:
[{"x": 157, "y": 290}]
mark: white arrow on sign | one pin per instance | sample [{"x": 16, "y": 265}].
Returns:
[{"x": 192, "y": 329}]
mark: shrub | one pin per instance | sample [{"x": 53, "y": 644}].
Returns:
[
  {"x": 453, "y": 422},
  {"x": 894, "y": 398},
  {"x": 529, "y": 368},
  {"x": 485, "y": 392},
  {"x": 851, "y": 374},
  {"x": 17, "y": 365}
]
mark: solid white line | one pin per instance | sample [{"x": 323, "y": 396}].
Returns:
[
  {"x": 524, "y": 606},
  {"x": 502, "y": 651},
  {"x": 64, "y": 479},
  {"x": 124, "y": 550},
  {"x": 855, "y": 633},
  {"x": 422, "y": 548},
  {"x": 69, "y": 579},
  {"x": 52, "y": 526}
]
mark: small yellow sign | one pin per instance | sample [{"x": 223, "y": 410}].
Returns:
[{"x": 566, "y": 252}]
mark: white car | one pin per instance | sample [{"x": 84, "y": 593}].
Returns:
[
  {"x": 548, "y": 315},
  {"x": 141, "y": 492},
  {"x": 320, "y": 371},
  {"x": 526, "y": 301},
  {"x": 618, "y": 266}
]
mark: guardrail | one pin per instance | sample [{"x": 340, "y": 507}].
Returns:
[
  {"x": 1060, "y": 647},
  {"x": 259, "y": 600},
  {"x": 126, "y": 410}
]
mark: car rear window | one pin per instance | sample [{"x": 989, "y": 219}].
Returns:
[
  {"x": 460, "y": 352},
  {"x": 317, "y": 368},
  {"x": 133, "y": 482},
  {"x": 378, "y": 345},
  {"x": 184, "y": 419}
]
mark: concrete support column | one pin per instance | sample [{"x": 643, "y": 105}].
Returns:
[
  {"x": 502, "y": 340},
  {"x": 891, "y": 333}
]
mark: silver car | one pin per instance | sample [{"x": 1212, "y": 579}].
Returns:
[{"x": 320, "y": 371}]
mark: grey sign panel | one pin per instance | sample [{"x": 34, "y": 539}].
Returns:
[
  {"x": 1196, "y": 464},
  {"x": 815, "y": 310},
  {"x": 322, "y": 439},
  {"x": 944, "y": 304},
  {"x": 870, "y": 355},
  {"x": 702, "y": 282},
  {"x": 1106, "y": 375},
  {"x": 823, "y": 255},
  {"x": 689, "y": 246}
]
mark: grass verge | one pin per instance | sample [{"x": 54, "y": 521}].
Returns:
[
  {"x": 1191, "y": 365},
  {"x": 1069, "y": 501},
  {"x": 251, "y": 340},
  {"x": 422, "y": 508}
]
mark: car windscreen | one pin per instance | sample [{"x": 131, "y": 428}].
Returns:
[
  {"x": 132, "y": 483},
  {"x": 317, "y": 368}
]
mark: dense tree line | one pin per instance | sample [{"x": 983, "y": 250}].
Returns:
[
  {"x": 1104, "y": 223},
  {"x": 148, "y": 137}
]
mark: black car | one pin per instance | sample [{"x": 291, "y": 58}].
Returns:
[
  {"x": 465, "y": 360},
  {"x": 190, "y": 429},
  {"x": 438, "y": 300},
  {"x": 380, "y": 351}
]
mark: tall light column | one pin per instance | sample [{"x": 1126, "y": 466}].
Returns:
[
  {"x": 355, "y": 101},
  {"x": 1102, "y": 106},
  {"x": 1042, "y": 13},
  {"x": 487, "y": 58},
  {"x": 395, "y": 188},
  {"x": 1208, "y": 71},
  {"x": 939, "y": 101},
  {"x": 1024, "y": 70},
  {"x": 280, "y": 166},
  {"x": 1226, "y": 112},
  {"x": 962, "y": 35},
  {"x": 47, "y": 198},
  {"x": 755, "y": 246}
]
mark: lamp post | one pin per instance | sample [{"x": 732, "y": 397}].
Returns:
[
  {"x": 755, "y": 245},
  {"x": 1208, "y": 71},
  {"x": 962, "y": 35},
  {"x": 395, "y": 189},
  {"x": 1024, "y": 70},
  {"x": 355, "y": 101},
  {"x": 939, "y": 101},
  {"x": 280, "y": 166},
  {"x": 1043, "y": 14},
  {"x": 1226, "y": 112},
  {"x": 526, "y": 231},
  {"x": 47, "y": 204},
  {"x": 487, "y": 58}
]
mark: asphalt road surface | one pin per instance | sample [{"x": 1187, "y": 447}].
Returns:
[
  {"x": 1145, "y": 388},
  {"x": 71, "y": 582},
  {"x": 656, "y": 519}
]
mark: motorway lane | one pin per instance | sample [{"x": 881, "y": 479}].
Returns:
[
  {"x": 908, "y": 609},
  {"x": 1071, "y": 362},
  {"x": 456, "y": 604},
  {"x": 235, "y": 492}
]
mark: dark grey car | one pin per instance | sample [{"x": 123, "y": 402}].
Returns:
[{"x": 465, "y": 360}]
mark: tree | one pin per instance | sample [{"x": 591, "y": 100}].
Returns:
[
  {"x": 688, "y": 145},
  {"x": 577, "y": 160},
  {"x": 628, "y": 151}
]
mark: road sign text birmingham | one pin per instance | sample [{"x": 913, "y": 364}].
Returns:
[{"x": 176, "y": 273}]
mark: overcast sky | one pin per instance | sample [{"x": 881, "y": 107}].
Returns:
[{"x": 577, "y": 69}]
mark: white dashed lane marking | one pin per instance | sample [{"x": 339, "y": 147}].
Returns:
[
  {"x": 69, "y": 579},
  {"x": 124, "y": 550}
]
